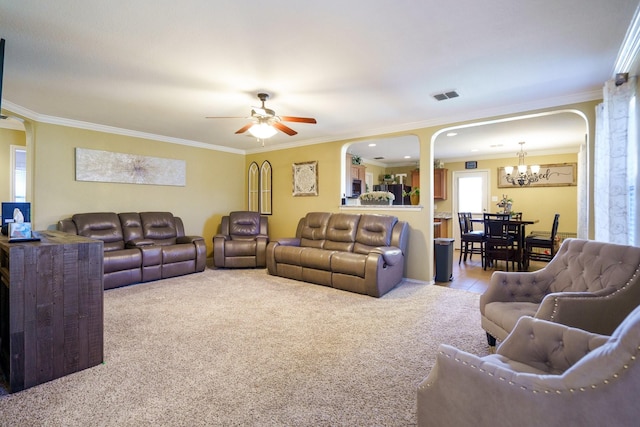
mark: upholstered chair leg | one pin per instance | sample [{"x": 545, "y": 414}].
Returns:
[{"x": 491, "y": 340}]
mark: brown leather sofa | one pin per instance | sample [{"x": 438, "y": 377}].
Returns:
[
  {"x": 242, "y": 241},
  {"x": 362, "y": 253},
  {"x": 140, "y": 247}
]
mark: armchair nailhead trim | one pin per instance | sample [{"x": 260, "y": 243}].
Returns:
[
  {"x": 633, "y": 278},
  {"x": 606, "y": 381}
]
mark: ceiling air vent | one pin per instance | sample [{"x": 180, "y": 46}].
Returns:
[{"x": 446, "y": 95}]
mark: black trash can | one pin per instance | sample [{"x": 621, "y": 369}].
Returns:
[{"x": 444, "y": 259}]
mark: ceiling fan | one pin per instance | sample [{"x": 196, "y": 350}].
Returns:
[{"x": 265, "y": 123}]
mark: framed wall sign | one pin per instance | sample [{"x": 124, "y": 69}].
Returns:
[
  {"x": 554, "y": 175},
  {"x": 305, "y": 179},
  {"x": 470, "y": 165}
]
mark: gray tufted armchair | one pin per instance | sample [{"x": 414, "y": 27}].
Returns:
[
  {"x": 588, "y": 285},
  {"x": 543, "y": 374},
  {"x": 242, "y": 241}
]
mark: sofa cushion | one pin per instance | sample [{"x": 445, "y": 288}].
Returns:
[
  {"x": 131, "y": 226},
  {"x": 349, "y": 263},
  {"x": 178, "y": 253},
  {"x": 125, "y": 259},
  {"x": 506, "y": 314},
  {"x": 341, "y": 232},
  {"x": 241, "y": 247},
  {"x": 374, "y": 231},
  {"x": 288, "y": 254},
  {"x": 313, "y": 229},
  {"x": 244, "y": 224},
  {"x": 159, "y": 226},
  {"x": 319, "y": 259},
  {"x": 103, "y": 226}
]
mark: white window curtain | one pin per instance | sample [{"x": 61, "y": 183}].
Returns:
[{"x": 615, "y": 168}]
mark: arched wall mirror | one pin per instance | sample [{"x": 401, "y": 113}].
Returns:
[
  {"x": 259, "y": 181},
  {"x": 265, "y": 188},
  {"x": 382, "y": 164},
  {"x": 253, "y": 180}
]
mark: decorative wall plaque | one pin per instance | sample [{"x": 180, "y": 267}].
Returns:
[
  {"x": 305, "y": 179},
  {"x": 555, "y": 175}
]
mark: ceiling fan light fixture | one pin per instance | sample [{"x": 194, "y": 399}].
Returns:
[{"x": 262, "y": 130}]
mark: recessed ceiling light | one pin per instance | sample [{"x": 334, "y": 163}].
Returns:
[
  {"x": 407, "y": 157},
  {"x": 474, "y": 150},
  {"x": 452, "y": 134},
  {"x": 496, "y": 145},
  {"x": 372, "y": 144}
]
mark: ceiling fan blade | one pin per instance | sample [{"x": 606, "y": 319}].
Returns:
[
  {"x": 298, "y": 119},
  {"x": 244, "y": 128},
  {"x": 284, "y": 129}
]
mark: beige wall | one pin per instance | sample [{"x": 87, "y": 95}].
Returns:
[
  {"x": 208, "y": 194},
  {"x": 535, "y": 203},
  {"x": 8, "y": 137},
  {"x": 216, "y": 184}
]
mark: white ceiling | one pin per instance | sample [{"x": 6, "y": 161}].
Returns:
[{"x": 360, "y": 67}]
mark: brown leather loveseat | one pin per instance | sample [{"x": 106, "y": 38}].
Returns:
[
  {"x": 140, "y": 247},
  {"x": 362, "y": 253}
]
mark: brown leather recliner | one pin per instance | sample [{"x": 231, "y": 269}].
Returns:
[
  {"x": 139, "y": 247},
  {"x": 242, "y": 241},
  {"x": 362, "y": 253}
]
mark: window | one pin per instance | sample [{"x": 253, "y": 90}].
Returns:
[{"x": 18, "y": 179}]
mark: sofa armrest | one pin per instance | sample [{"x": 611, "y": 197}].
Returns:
[
  {"x": 139, "y": 242},
  {"x": 599, "y": 312},
  {"x": 188, "y": 239},
  {"x": 548, "y": 346},
  {"x": 288, "y": 241},
  {"x": 390, "y": 254},
  {"x": 516, "y": 287}
]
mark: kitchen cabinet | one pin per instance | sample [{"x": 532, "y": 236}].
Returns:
[
  {"x": 354, "y": 172},
  {"x": 415, "y": 178},
  {"x": 357, "y": 172},
  {"x": 440, "y": 184},
  {"x": 441, "y": 227}
]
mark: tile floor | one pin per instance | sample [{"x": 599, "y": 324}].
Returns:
[{"x": 470, "y": 276}]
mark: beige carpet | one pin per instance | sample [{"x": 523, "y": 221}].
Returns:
[{"x": 242, "y": 348}]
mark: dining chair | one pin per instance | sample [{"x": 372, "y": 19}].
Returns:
[
  {"x": 469, "y": 238},
  {"x": 500, "y": 240},
  {"x": 541, "y": 248}
]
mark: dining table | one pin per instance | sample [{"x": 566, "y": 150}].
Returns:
[{"x": 520, "y": 225}]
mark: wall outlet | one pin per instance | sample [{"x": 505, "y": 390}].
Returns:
[
  {"x": 494, "y": 198},
  {"x": 435, "y": 207}
]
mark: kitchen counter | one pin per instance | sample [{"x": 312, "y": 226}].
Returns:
[{"x": 442, "y": 215}]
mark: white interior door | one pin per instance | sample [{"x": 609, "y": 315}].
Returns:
[{"x": 470, "y": 194}]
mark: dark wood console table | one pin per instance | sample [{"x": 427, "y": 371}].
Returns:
[{"x": 51, "y": 307}]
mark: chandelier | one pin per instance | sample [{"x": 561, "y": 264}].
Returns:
[{"x": 524, "y": 175}]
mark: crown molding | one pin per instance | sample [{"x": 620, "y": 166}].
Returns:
[
  {"x": 375, "y": 132},
  {"x": 630, "y": 48},
  {"x": 41, "y": 118}
]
